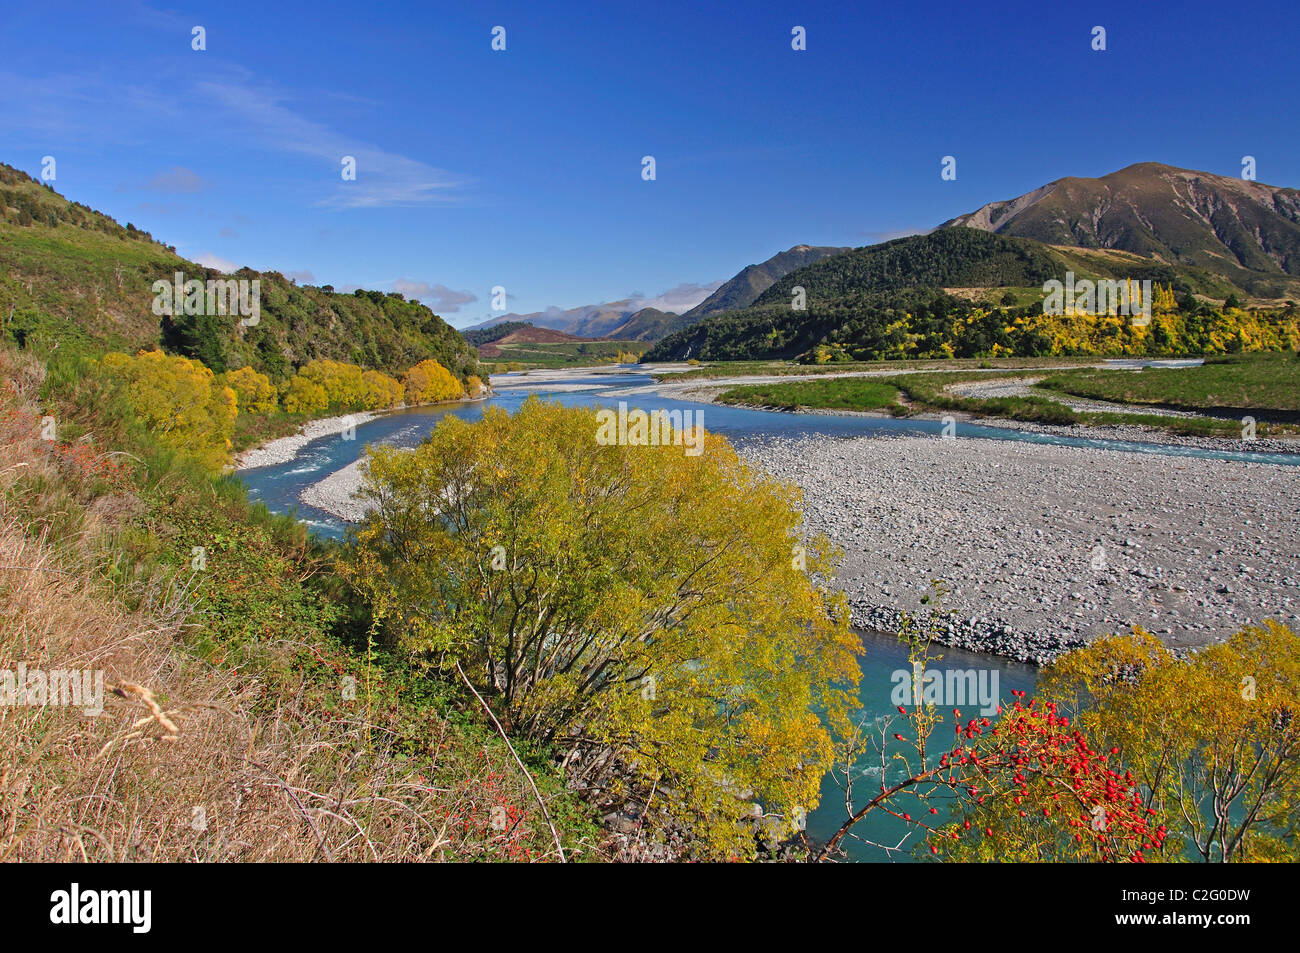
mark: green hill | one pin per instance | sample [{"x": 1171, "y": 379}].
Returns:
[
  {"x": 648, "y": 324},
  {"x": 69, "y": 274},
  {"x": 752, "y": 280}
]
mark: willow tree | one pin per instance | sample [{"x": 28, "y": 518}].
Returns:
[
  {"x": 634, "y": 607},
  {"x": 1213, "y": 739}
]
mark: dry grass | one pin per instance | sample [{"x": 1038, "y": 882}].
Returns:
[{"x": 192, "y": 762}]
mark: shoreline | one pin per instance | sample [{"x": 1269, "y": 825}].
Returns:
[
  {"x": 1127, "y": 433},
  {"x": 285, "y": 449}
]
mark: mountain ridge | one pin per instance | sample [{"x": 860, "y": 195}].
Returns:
[{"x": 1247, "y": 230}]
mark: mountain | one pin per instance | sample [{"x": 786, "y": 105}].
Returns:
[
  {"x": 614, "y": 320},
  {"x": 955, "y": 292},
  {"x": 1247, "y": 231},
  {"x": 752, "y": 280},
  {"x": 588, "y": 320},
  {"x": 647, "y": 319},
  {"x": 480, "y": 336},
  {"x": 877, "y": 279},
  {"x": 69, "y": 274},
  {"x": 648, "y": 324}
]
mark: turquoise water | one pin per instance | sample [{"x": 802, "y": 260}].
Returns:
[{"x": 279, "y": 487}]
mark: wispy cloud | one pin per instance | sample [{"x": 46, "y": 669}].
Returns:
[
  {"x": 677, "y": 300},
  {"x": 438, "y": 297},
  {"x": 209, "y": 260},
  {"x": 178, "y": 180},
  {"x": 383, "y": 178}
]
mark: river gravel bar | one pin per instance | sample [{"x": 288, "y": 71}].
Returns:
[
  {"x": 284, "y": 449},
  {"x": 1046, "y": 547}
]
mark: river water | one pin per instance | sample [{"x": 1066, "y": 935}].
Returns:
[{"x": 884, "y": 660}]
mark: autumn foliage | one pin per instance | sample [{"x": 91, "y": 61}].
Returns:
[
  {"x": 634, "y": 608},
  {"x": 180, "y": 401},
  {"x": 429, "y": 383}
]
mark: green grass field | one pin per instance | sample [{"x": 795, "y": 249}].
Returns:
[
  {"x": 1261, "y": 380},
  {"x": 841, "y": 393},
  {"x": 785, "y": 368},
  {"x": 564, "y": 353}
]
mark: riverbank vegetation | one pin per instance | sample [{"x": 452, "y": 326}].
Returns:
[
  {"x": 246, "y": 718},
  {"x": 1127, "y": 753},
  {"x": 1267, "y": 382},
  {"x": 576, "y": 639},
  {"x": 1264, "y": 384}
]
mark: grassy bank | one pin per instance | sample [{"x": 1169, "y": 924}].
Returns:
[
  {"x": 1263, "y": 381},
  {"x": 247, "y": 716},
  {"x": 1253, "y": 380},
  {"x": 787, "y": 368}
]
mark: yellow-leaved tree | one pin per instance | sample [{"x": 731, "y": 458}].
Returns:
[
  {"x": 303, "y": 395},
  {"x": 652, "y": 616},
  {"x": 181, "y": 401},
  {"x": 429, "y": 383},
  {"x": 1214, "y": 739},
  {"x": 380, "y": 391},
  {"x": 255, "y": 391}
]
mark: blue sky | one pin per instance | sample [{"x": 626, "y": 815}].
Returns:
[{"x": 522, "y": 168}]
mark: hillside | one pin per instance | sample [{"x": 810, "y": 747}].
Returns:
[
  {"x": 957, "y": 291},
  {"x": 526, "y": 334},
  {"x": 69, "y": 273},
  {"x": 743, "y": 290},
  {"x": 486, "y": 335},
  {"x": 649, "y": 324},
  {"x": 1247, "y": 231},
  {"x": 878, "y": 278}
]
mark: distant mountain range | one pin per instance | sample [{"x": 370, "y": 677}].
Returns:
[
  {"x": 1246, "y": 231},
  {"x": 631, "y": 320},
  {"x": 1215, "y": 235}
]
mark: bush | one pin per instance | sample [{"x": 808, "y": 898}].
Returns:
[
  {"x": 429, "y": 383},
  {"x": 254, "y": 390}
]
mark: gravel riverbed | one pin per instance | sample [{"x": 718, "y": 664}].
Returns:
[
  {"x": 1046, "y": 547},
  {"x": 284, "y": 449}
]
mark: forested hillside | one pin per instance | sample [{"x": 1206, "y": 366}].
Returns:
[
  {"x": 69, "y": 273},
  {"x": 964, "y": 292}
]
